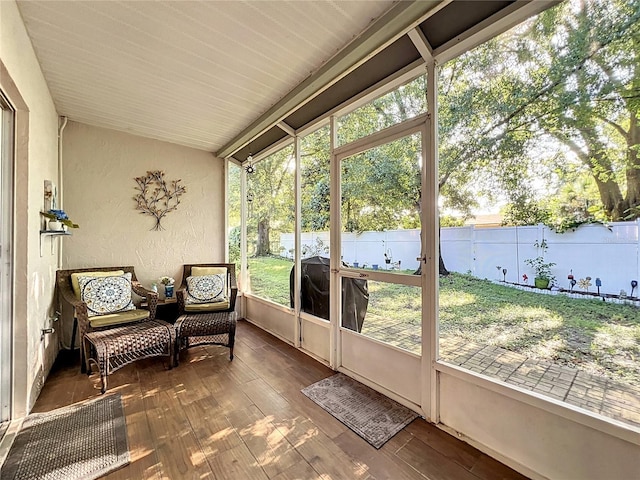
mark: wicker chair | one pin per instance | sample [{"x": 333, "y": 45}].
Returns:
[
  {"x": 114, "y": 340},
  {"x": 206, "y": 323}
]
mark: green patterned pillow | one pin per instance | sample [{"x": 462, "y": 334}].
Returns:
[
  {"x": 105, "y": 295},
  {"x": 206, "y": 288}
]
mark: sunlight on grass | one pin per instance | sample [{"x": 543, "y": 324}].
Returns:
[
  {"x": 535, "y": 318},
  {"x": 550, "y": 348},
  {"x": 269, "y": 278},
  {"x": 451, "y": 299},
  {"x": 394, "y": 303},
  {"x": 619, "y": 337},
  {"x": 592, "y": 335}
]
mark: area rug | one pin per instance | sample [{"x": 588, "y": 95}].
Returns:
[
  {"x": 370, "y": 414},
  {"x": 84, "y": 441}
]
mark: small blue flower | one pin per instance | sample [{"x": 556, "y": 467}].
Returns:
[{"x": 60, "y": 214}]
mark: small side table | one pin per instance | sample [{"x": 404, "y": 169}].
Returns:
[{"x": 166, "y": 310}]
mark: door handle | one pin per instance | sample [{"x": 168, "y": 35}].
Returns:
[{"x": 422, "y": 259}]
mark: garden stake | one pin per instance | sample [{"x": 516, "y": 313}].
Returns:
[
  {"x": 634, "y": 284},
  {"x": 598, "y": 284}
]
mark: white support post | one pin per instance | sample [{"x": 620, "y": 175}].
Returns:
[
  {"x": 638, "y": 254},
  {"x": 285, "y": 127},
  {"x": 430, "y": 245},
  {"x": 226, "y": 211},
  {"x": 297, "y": 244},
  {"x": 422, "y": 44},
  {"x": 335, "y": 288},
  {"x": 244, "y": 275}
]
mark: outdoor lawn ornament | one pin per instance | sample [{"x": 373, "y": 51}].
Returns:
[
  {"x": 525, "y": 278},
  {"x": 504, "y": 275},
  {"x": 585, "y": 283},
  {"x": 499, "y": 268},
  {"x": 598, "y": 284},
  {"x": 387, "y": 256},
  {"x": 634, "y": 284},
  {"x": 250, "y": 197},
  {"x": 572, "y": 282}
]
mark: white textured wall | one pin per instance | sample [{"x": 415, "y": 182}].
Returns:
[
  {"x": 99, "y": 170},
  {"x": 34, "y": 281},
  {"x": 547, "y": 445}
]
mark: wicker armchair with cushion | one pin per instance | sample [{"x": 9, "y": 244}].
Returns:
[
  {"x": 112, "y": 331},
  {"x": 206, "y": 306}
]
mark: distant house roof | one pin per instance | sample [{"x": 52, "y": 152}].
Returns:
[{"x": 484, "y": 221}]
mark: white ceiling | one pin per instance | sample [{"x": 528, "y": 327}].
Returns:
[{"x": 195, "y": 73}]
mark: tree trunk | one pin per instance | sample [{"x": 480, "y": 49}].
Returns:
[
  {"x": 633, "y": 166},
  {"x": 442, "y": 269},
  {"x": 263, "y": 248},
  {"x": 594, "y": 157},
  {"x": 612, "y": 201}
]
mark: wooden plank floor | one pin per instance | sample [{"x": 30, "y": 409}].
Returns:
[{"x": 214, "y": 419}]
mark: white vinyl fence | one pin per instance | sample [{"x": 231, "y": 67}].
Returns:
[{"x": 611, "y": 254}]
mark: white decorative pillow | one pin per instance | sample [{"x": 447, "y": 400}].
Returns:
[
  {"x": 105, "y": 295},
  {"x": 206, "y": 288}
]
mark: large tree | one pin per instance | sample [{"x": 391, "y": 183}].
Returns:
[
  {"x": 553, "y": 101},
  {"x": 270, "y": 200},
  {"x": 591, "y": 102}
]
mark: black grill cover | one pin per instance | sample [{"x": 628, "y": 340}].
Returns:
[{"x": 314, "y": 294}]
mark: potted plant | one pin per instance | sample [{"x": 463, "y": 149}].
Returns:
[
  {"x": 168, "y": 283},
  {"x": 543, "y": 276},
  {"x": 58, "y": 219}
]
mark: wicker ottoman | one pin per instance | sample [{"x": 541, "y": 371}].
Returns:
[
  {"x": 214, "y": 328},
  {"x": 114, "y": 348}
]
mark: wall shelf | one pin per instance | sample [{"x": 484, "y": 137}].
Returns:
[{"x": 51, "y": 233}]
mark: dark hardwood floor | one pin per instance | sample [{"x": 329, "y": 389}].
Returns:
[{"x": 214, "y": 419}]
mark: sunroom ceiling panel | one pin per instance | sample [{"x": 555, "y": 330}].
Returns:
[
  {"x": 396, "y": 56},
  {"x": 458, "y": 17},
  {"x": 268, "y": 138},
  {"x": 192, "y": 73}
]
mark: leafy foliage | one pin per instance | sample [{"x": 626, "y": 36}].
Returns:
[
  {"x": 272, "y": 209},
  {"x": 543, "y": 118},
  {"x": 554, "y": 100}
]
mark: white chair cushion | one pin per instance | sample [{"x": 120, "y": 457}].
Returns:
[
  {"x": 206, "y": 289},
  {"x": 106, "y": 295}
]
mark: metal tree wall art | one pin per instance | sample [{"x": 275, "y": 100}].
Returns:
[{"x": 156, "y": 197}]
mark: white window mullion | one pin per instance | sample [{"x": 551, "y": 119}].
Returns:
[
  {"x": 430, "y": 268},
  {"x": 335, "y": 287},
  {"x": 244, "y": 276},
  {"x": 297, "y": 243}
]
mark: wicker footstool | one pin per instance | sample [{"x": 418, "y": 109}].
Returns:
[
  {"x": 112, "y": 349},
  {"x": 214, "y": 328}
]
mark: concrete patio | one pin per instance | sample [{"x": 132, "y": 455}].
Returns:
[{"x": 595, "y": 393}]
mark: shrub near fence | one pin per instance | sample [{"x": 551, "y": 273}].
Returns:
[{"x": 610, "y": 253}]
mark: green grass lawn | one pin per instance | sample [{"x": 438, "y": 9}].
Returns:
[
  {"x": 591, "y": 335},
  {"x": 270, "y": 278}
]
